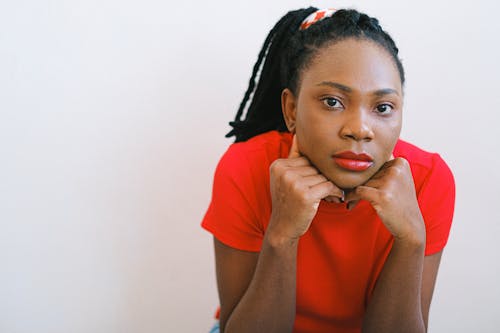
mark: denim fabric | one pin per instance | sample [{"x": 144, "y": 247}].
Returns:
[{"x": 215, "y": 328}]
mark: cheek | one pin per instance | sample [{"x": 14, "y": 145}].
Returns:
[
  {"x": 388, "y": 136},
  {"x": 394, "y": 129},
  {"x": 312, "y": 121},
  {"x": 312, "y": 132},
  {"x": 306, "y": 126}
]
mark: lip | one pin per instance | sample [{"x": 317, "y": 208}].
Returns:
[{"x": 352, "y": 161}]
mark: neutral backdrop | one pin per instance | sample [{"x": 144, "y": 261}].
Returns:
[{"x": 112, "y": 120}]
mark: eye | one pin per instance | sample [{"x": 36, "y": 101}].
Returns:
[
  {"x": 332, "y": 103},
  {"x": 384, "y": 108}
]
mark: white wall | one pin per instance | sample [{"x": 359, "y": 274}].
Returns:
[{"x": 112, "y": 119}]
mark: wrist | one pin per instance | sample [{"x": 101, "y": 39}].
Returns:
[
  {"x": 415, "y": 242},
  {"x": 414, "y": 234},
  {"x": 277, "y": 239}
]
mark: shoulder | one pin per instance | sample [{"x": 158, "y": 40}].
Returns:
[
  {"x": 414, "y": 154},
  {"x": 256, "y": 154},
  {"x": 435, "y": 187},
  {"x": 424, "y": 165},
  {"x": 241, "y": 203}
]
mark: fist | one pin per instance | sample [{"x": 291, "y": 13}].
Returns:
[
  {"x": 297, "y": 188},
  {"x": 391, "y": 192}
]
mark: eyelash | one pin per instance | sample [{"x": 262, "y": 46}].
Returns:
[
  {"x": 326, "y": 99},
  {"x": 382, "y": 112}
]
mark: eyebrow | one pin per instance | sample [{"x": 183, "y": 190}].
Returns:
[{"x": 344, "y": 88}]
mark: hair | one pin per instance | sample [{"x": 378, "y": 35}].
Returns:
[{"x": 286, "y": 52}]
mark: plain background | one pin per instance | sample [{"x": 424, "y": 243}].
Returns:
[{"x": 112, "y": 120}]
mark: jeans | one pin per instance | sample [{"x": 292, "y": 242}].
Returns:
[{"x": 215, "y": 328}]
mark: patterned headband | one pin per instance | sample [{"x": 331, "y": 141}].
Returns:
[{"x": 316, "y": 16}]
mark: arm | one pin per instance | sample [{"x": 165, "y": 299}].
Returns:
[
  {"x": 431, "y": 267},
  {"x": 402, "y": 295},
  {"x": 257, "y": 290}
]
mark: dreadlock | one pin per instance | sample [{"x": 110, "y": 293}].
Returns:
[{"x": 286, "y": 52}]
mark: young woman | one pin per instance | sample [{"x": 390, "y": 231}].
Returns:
[{"x": 323, "y": 219}]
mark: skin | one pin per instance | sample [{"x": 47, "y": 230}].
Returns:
[{"x": 349, "y": 98}]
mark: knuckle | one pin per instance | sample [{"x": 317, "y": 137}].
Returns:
[
  {"x": 321, "y": 178},
  {"x": 386, "y": 196},
  {"x": 333, "y": 188},
  {"x": 277, "y": 167},
  {"x": 395, "y": 171},
  {"x": 311, "y": 171},
  {"x": 402, "y": 162},
  {"x": 289, "y": 176},
  {"x": 280, "y": 162},
  {"x": 306, "y": 197},
  {"x": 297, "y": 189},
  {"x": 359, "y": 190}
]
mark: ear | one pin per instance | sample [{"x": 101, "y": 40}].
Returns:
[{"x": 289, "y": 108}]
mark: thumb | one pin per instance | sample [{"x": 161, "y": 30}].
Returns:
[
  {"x": 294, "y": 149},
  {"x": 367, "y": 193}
]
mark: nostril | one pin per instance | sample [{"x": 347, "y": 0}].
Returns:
[
  {"x": 351, "y": 136},
  {"x": 356, "y": 138},
  {"x": 360, "y": 132}
]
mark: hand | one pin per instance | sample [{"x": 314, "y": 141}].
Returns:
[
  {"x": 297, "y": 188},
  {"x": 391, "y": 192}
]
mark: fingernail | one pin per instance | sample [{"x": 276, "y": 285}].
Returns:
[{"x": 342, "y": 199}]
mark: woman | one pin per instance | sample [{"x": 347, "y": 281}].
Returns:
[{"x": 323, "y": 219}]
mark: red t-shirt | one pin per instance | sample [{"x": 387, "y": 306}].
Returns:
[{"x": 341, "y": 255}]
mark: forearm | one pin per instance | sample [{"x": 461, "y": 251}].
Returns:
[
  {"x": 268, "y": 305},
  {"x": 396, "y": 302}
]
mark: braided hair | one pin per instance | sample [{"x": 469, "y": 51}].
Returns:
[{"x": 287, "y": 50}]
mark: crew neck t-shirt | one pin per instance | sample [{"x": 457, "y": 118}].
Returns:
[{"x": 342, "y": 254}]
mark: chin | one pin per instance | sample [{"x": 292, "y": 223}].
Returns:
[
  {"x": 348, "y": 182},
  {"x": 347, "y": 186}
]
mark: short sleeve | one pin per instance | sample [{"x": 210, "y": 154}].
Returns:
[
  {"x": 436, "y": 199},
  {"x": 230, "y": 216}
]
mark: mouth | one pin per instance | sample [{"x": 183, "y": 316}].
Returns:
[{"x": 353, "y": 161}]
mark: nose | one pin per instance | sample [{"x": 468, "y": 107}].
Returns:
[{"x": 357, "y": 126}]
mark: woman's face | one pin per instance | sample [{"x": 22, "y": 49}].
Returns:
[{"x": 347, "y": 113}]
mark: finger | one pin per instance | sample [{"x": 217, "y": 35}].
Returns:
[
  {"x": 332, "y": 198},
  {"x": 377, "y": 181},
  {"x": 381, "y": 173},
  {"x": 296, "y": 162},
  {"x": 352, "y": 204},
  {"x": 313, "y": 180},
  {"x": 305, "y": 171},
  {"x": 367, "y": 193},
  {"x": 325, "y": 189},
  {"x": 352, "y": 198},
  {"x": 384, "y": 171},
  {"x": 294, "y": 149},
  {"x": 393, "y": 160}
]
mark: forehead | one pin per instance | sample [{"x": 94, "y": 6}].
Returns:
[{"x": 357, "y": 63}]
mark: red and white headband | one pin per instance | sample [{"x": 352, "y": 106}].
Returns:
[{"x": 316, "y": 16}]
